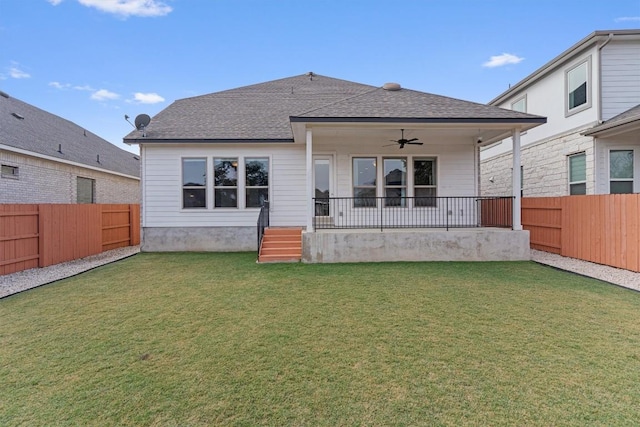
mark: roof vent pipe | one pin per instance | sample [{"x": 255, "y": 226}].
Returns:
[
  {"x": 391, "y": 86},
  {"x": 4, "y": 94}
]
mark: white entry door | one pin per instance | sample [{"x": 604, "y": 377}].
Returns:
[{"x": 322, "y": 184}]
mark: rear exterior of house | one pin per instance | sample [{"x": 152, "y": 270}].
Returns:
[
  {"x": 590, "y": 144},
  {"x": 47, "y": 159},
  {"x": 368, "y": 173}
]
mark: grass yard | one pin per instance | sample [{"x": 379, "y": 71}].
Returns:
[{"x": 215, "y": 339}]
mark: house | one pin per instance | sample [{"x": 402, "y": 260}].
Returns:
[
  {"x": 590, "y": 144},
  {"x": 47, "y": 159},
  {"x": 368, "y": 173}
]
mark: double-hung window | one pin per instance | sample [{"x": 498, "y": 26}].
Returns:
[
  {"x": 424, "y": 182},
  {"x": 225, "y": 182},
  {"x": 85, "y": 190},
  {"x": 620, "y": 171},
  {"x": 194, "y": 183},
  {"x": 577, "y": 81},
  {"x": 256, "y": 181},
  {"x": 520, "y": 105},
  {"x": 364, "y": 182},
  {"x": 395, "y": 181},
  {"x": 578, "y": 174}
]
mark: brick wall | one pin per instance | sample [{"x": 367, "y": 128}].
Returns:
[
  {"x": 45, "y": 181},
  {"x": 545, "y": 167}
]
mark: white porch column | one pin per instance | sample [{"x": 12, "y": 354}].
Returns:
[
  {"x": 517, "y": 221},
  {"x": 310, "y": 191}
]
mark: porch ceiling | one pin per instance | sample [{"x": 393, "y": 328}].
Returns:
[{"x": 478, "y": 133}]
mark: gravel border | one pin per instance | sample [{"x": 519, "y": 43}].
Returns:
[
  {"x": 18, "y": 282},
  {"x": 28, "y": 279},
  {"x": 616, "y": 276}
]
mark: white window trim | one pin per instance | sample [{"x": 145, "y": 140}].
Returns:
[
  {"x": 15, "y": 175},
  {"x": 569, "y": 112},
  {"x": 207, "y": 196},
  {"x": 213, "y": 183},
  {"x": 569, "y": 182},
  {"x": 636, "y": 167},
  {"x": 518, "y": 99},
  {"x": 243, "y": 183},
  {"x": 410, "y": 171}
]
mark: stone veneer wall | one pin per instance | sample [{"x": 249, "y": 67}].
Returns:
[
  {"x": 545, "y": 168},
  {"x": 45, "y": 181}
]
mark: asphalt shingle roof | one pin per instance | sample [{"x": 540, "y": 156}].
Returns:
[
  {"x": 29, "y": 128},
  {"x": 264, "y": 111},
  {"x": 631, "y": 115}
]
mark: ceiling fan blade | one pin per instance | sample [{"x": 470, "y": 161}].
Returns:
[
  {"x": 389, "y": 145},
  {"x": 412, "y": 139},
  {"x": 414, "y": 143}
]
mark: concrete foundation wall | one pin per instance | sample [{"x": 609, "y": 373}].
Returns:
[
  {"x": 414, "y": 245},
  {"x": 199, "y": 239}
]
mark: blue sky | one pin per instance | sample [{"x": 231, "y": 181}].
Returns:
[{"x": 93, "y": 61}]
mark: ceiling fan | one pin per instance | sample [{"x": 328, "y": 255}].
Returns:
[{"x": 402, "y": 141}]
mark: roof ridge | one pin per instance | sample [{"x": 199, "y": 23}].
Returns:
[{"x": 341, "y": 100}]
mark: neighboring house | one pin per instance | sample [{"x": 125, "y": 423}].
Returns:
[
  {"x": 47, "y": 159},
  {"x": 590, "y": 144},
  {"x": 329, "y": 156}
]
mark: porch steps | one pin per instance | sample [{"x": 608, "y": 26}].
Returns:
[{"x": 281, "y": 245}]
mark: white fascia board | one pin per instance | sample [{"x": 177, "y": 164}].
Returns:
[{"x": 66, "y": 162}]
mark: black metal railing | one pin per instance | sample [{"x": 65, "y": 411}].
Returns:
[
  {"x": 263, "y": 222},
  {"x": 412, "y": 212}
]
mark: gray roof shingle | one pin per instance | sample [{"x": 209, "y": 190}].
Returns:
[
  {"x": 29, "y": 128},
  {"x": 629, "y": 116},
  {"x": 264, "y": 111}
]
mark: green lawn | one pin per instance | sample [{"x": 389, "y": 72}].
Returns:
[{"x": 215, "y": 339}]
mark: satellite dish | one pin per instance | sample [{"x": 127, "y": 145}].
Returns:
[{"x": 142, "y": 121}]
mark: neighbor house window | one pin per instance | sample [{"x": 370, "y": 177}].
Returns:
[
  {"x": 194, "y": 183},
  {"x": 10, "y": 171},
  {"x": 395, "y": 181},
  {"x": 225, "y": 182},
  {"x": 520, "y": 105},
  {"x": 364, "y": 182},
  {"x": 621, "y": 171},
  {"x": 256, "y": 182},
  {"x": 578, "y": 174},
  {"x": 424, "y": 182},
  {"x": 85, "y": 190},
  {"x": 577, "y": 88}
]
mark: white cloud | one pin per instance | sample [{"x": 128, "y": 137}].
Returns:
[
  {"x": 104, "y": 95},
  {"x": 628, "y": 19},
  {"x": 125, "y": 8},
  {"x": 55, "y": 2},
  {"x": 147, "y": 98},
  {"x": 85, "y": 87},
  {"x": 59, "y": 85},
  {"x": 17, "y": 73},
  {"x": 500, "y": 60}
]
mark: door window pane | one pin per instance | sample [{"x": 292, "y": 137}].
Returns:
[{"x": 322, "y": 181}]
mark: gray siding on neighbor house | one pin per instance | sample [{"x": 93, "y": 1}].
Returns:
[
  {"x": 620, "y": 77},
  {"x": 46, "y": 181}
]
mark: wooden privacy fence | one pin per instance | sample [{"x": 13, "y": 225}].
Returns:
[
  {"x": 41, "y": 235},
  {"x": 604, "y": 229}
]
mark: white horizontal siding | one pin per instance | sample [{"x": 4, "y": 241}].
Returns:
[
  {"x": 162, "y": 182},
  {"x": 620, "y": 77}
]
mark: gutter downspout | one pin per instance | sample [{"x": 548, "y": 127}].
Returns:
[{"x": 606, "y": 42}]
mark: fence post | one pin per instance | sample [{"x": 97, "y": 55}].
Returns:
[{"x": 42, "y": 234}]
